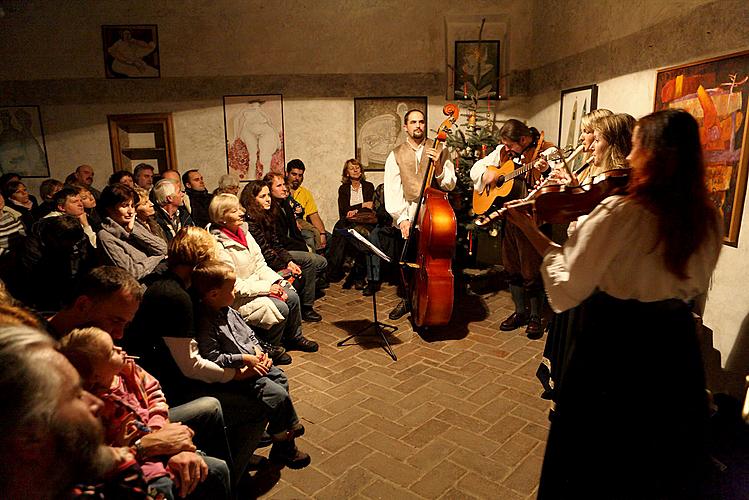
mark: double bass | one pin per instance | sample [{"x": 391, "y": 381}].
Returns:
[{"x": 428, "y": 277}]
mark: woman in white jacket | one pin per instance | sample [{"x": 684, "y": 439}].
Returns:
[{"x": 264, "y": 299}]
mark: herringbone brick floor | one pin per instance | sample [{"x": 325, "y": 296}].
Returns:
[{"x": 457, "y": 416}]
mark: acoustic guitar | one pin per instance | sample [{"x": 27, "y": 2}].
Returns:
[{"x": 483, "y": 200}]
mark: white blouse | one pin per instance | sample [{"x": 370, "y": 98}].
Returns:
[{"x": 615, "y": 250}]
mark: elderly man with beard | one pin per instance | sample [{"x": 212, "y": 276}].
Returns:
[{"x": 52, "y": 438}]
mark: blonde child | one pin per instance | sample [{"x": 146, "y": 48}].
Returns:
[{"x": 225, "y": 339}]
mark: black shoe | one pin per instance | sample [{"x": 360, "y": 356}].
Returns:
[
  {"x": 310, "y": 315},
  {"x": 359, "y": 284},
  {"x": 286, "y": 453},
  {"x": 348, "y": 283},
  {"x": 319, "y": 293},
  {"x": 283, "y": 359},
  {"x": 398, "y": 311},
  {"x": 265, "y": 440},
  {"x": 513, "y": 322},
  {"x": 535, "y": 329},
  {"x": 302, "y": 344},
  {"x": 372, "y": 288},
  {"x": 273, "y": 351}
]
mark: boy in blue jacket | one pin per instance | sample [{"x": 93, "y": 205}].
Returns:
[{"x": 225, "y": 339}]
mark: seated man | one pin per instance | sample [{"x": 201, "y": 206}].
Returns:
[
  {"x": 84, "y": 175},
  {"x": 108, "y": 298},
  {"x": 143, "y": 176},
  {"x": 295, "y": 176},
  {"x": 200, "y": 198},
  {"x": 134, "y": 408},
  {"x": 68, "y": 201},
  {"x": 52, "y": 438},
  {"x": 170, "y": 214}
]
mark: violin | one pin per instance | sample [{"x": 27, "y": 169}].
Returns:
[{"x": 561, "y": 204}]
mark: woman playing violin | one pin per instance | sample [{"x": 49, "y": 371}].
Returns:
[
  {"x": 519, "y": 258},
  {"x": 631, "y": 413}
]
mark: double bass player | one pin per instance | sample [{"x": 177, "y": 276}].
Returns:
[{"x": 405, "y": 168}]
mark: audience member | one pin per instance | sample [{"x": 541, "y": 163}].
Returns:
[
  {"x": 163, "y": 335},
  {"x": 143, "y": 175},
  {"x": 84, "y": 175},
  {"x": 89, "y": 206},
  {"x": 122, "y": 241},
  {"x": 227, "y": 183},
  {"x": 225, "y": 339},
  {"x": 57, "y": 254},
  {"x": 134, "y": 408},
  {"x": 68, "y": 201},
  {"x": 295, "y": 176},
  {"x": 262, "y": 223},
  {"x": 198, "y": 195},
  {"x": 107, "y": 298},
  {"x": 384, "y": 236},
  {"x": 47, "y": 190},
  {"x": 168, "y": 214},
  {"x": 145, "y": 213},
  {"x": 12, "y": 240},
  {"x": 18, "y": 198},
  {"x": 355, "y": 202},
  {"x": 264, "y": 299},
  {"x": 52, "y": 438},
  {"x": 121, "y": 177}
]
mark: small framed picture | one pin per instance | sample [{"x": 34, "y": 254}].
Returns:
[
  {"x": 131, "y": 51},
  {"x": 575, "y": 103},
  {"x": 476, "y": 69}
]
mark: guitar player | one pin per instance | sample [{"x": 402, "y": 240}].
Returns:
[{"x": 520, "y": 144}]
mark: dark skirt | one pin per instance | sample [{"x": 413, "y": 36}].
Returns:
[
  {"x": 557, "y": 350},
  {"x": 631, "y": 414}
]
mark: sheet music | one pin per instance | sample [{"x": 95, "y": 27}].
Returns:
[{"x": 369, "y": 245}]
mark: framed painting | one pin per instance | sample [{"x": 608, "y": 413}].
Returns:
[
  {"x": 476, "y": 69},
  {"x": 254, "y": 135},
  {"x": 131, "y": 51},
  {"x": 22, "y": 147},
  {"x": 575, "y": 103},
  {"x": 715, "y": 92},
  {"x": 378, "y": 127}
]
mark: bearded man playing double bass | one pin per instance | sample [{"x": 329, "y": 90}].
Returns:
[{"x": 405, "y": 168}]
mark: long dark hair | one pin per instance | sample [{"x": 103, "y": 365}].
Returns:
[
  {"x": 671, "y": 183},
  {"x": 513, "y": 130},
  {"x": 253, "y": 211}
]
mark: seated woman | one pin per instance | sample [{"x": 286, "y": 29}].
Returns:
[
  {"x": 17, "y": 197},
  {"x": 89, "y": 205},
  {"x": 144, "y": 213},
  {"x": 123, "y": 242},
  {"x": 633, "y": 411},
  {"x": 263, "y": 219},
  {"x": 355, "y": 201},
  {"x": 264, "y": 299}
]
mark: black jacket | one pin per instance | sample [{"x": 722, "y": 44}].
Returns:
[{"x": 199, "y": 202}]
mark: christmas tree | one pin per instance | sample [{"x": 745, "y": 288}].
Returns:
[{"x": 471, "y": 141}]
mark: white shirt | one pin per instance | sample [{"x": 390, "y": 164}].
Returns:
[
  {"x": 495, "y": 159},
  {"x": 357, "y": 196},
  {"x": 615, "y": 250},
  {"x": 395, "y": 200}
]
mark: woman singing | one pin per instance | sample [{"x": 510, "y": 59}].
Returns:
[{"x": 631, "y": 414}]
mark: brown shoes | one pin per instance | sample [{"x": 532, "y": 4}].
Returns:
[
  {"x": 513, "y": 322},
  {"x": 535, "y": 329}
]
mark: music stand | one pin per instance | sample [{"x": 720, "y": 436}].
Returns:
[{"x": 381, "y": 329}]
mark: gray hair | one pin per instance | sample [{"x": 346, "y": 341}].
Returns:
[
  {"x": 228, "y": 180},
  {"x": 163, "y": 189},
  {"x": 27, "y": 385}
]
